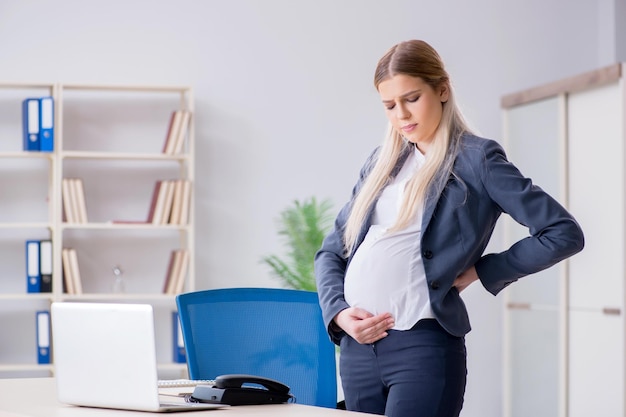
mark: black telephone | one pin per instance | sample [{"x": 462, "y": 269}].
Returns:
[{"x": 230, "y": 389}]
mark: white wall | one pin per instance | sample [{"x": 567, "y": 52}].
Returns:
[{"x": 285, "y": 103}]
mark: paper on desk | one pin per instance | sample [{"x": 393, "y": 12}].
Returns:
[{"x": 175, "y": 395}]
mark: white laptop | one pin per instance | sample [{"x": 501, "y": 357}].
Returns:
[{"x": 105, "y": 356}]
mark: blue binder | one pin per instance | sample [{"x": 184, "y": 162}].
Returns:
[
  {"x": 43, "y": 337},
  {"x": 46, "y": 124},
  {"x": 178, "y": 348},
  {"x": 33, "y": 277},
  {"x": 30, "y": 122},
  {"x": 45, "y": 265}
]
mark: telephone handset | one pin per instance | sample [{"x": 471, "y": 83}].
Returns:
[
  {"x": 238, "y": 380},
  {"x": 242, "y": 389}
]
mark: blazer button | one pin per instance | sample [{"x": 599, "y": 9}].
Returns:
[
  {"x": 428, "y": 254},
  {"x": 434, "y": 285}
]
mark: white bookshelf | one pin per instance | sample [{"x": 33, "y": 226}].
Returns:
[{"x": 112, "y": 137}]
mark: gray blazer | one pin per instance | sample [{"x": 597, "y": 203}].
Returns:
[{"x": 456, "y": 227}]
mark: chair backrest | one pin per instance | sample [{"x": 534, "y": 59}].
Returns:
[{"x": 273, "y": 333}]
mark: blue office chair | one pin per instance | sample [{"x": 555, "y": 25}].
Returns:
[{"x": 273, "y": 333}]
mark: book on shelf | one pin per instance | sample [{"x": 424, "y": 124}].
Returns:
[
  {"x": 79, "y": 191},
  {"x": 43, "y": 336},
  {"x": 177, "y": 132},
  {"x": 169, "y": 204},
  {"x": 46, "y": 124},
  {"x": 78, "y": 287},
  {"x": 179, "y": 213},
  {"x": 68, "y": 208},
  {"x": 67, "y": 272},
  {"x": 45, "y": 265},
  {"x": 177, "y": 201},
  {"x": 74, "y": 206},
  {"x": 71, "y": 272},
  {"x": 182, "y": 132},
  {"x": 170, "y": 271},
  {"x": 33, "y": 274},
  {"x": 172, "y": 132},
  {"x": 178, "y": 345},
  {"x": 159, "y": 204},
  {"x": 185, "y": 203},
  {"x": 154, "y": 200},
  {"x": 75, "y": 213},
  {"x": 181, "y": 276},
  {"x": 38, "y": 124},
  {"x": 176, "y": 272},
  {"x": 180, "y": 203},
  {"x": 30, "y": 124}
]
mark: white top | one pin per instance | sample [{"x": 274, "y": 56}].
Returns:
[{"x": 386, "y": 273}]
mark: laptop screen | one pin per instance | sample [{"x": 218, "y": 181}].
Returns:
[{"x": 105, "y": 355}]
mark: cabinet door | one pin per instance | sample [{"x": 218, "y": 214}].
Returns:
[
  {"x": 533, "y": 352},
  {"x": 596, "y": 180},
  {"x": 533, "y": 346},
  {"x": 535, "y": 145},
  {"x": 596, "y": 364},
  {"x": 596, "y": 194}
]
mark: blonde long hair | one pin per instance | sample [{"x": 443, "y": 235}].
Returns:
[{"x": 415, "y": 58}]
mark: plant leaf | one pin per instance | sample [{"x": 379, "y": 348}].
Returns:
[{"x": 303, "y": 226}]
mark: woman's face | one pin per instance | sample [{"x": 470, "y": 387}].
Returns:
[{"x": 413, "y": 107}]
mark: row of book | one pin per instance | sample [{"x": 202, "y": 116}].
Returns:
[
  {"x": 38, "y": 124},
  {"x": 43, "y": 330},
  {"x": 39, "y": 269},
  {"x": 174, "y": 280},
  {"x": 169, "y": 204},
  {"x": 176, "y": 132},
  {"x": 74, "y": 207},
  {"x": 38, "y": 127},
  {"x": 71, "y": 273},
  {"x": 38, "y": 266},
  {"x": 176, "y": 272}
]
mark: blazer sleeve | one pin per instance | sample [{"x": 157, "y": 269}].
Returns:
[
  {"x": 554, "y": 234},
  {"x": 331, "y": 262}
]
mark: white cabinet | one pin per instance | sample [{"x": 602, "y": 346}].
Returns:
[
  {"x": 535, "y": 305},
  {"x": 565, "y": 328},
  {"x": 596, "y": 279}
]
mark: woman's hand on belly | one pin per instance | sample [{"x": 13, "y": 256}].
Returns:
[{"x": 363, "y": 326}]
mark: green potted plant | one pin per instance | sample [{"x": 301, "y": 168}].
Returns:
[{"x": 303, "y": 226}]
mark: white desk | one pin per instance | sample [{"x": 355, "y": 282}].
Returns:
[{"x": 36, "y": 397}]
